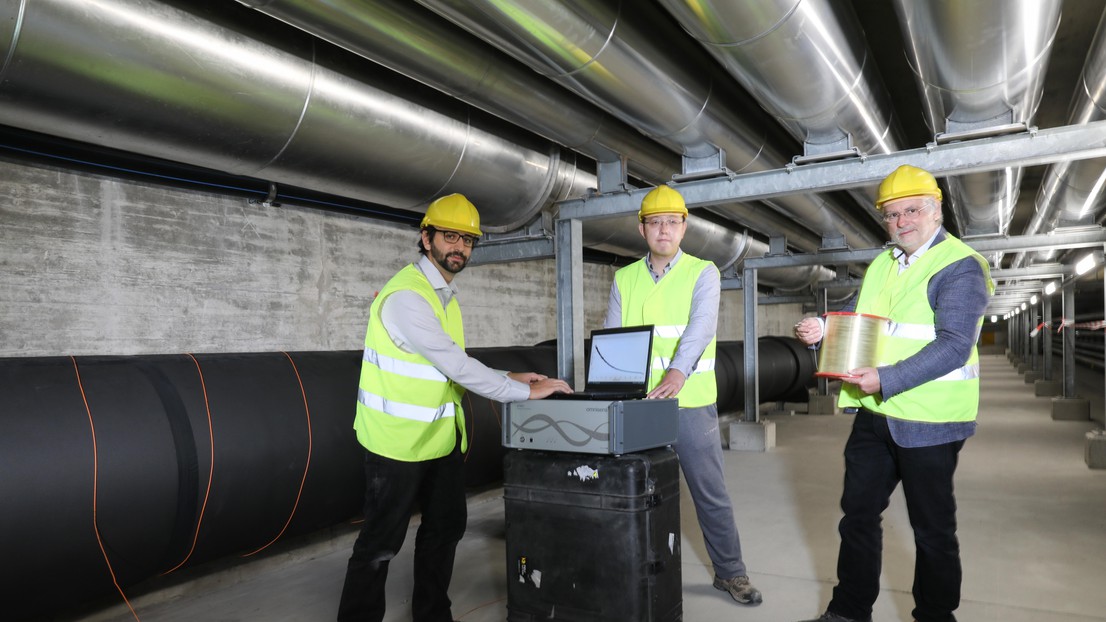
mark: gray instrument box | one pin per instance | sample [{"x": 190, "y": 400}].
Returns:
[{"x": 591, "y": 426}]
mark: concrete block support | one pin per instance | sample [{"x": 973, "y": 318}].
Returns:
[
  {"x": 1047, "y": 388},
  {"x": 1032, "y": 376},
  {"x": 822, "y": 405},
  {"x": 752, "y": 435},
  {"x": 1023, "y": 367},
  {"x": 1070, "y": 409},
  {"x": 1095, "y": 454}
]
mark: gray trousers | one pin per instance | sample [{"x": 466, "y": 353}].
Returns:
[{"x": 699, "y": 447}]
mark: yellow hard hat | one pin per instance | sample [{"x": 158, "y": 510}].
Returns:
[
  {"x": 907, "y": 181},
  {"x": 662, "y": 200},
  {"x": 453, "y": 212}
]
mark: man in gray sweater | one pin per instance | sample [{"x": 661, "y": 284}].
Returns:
[{"x": 916, "y": 407}]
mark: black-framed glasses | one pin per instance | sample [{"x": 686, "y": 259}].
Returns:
[{"x": 451, "y": 237}]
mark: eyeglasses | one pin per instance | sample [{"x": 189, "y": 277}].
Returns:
[
  {"x": 661, "y": 222},
  {"x": 909, "y": 213},
  {"x": 451, "y": 237}
]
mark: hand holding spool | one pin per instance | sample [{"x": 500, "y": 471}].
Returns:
[{"x": 850, "y": 351}]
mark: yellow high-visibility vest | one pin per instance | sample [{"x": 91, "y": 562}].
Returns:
[
  {"x": 903, "y": 298},
  {"x": 406, "y": 409},
  {"x": 667, "y": 306}
]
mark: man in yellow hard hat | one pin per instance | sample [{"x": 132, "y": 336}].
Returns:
[
  {"x": 410, "y": 421},
  {"x": 916, "y": 407},
  {"x": 678, "y": 294}
]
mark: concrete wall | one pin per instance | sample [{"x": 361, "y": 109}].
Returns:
[{"x": 96, "y": 265}]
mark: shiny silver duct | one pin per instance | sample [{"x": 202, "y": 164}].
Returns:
[
  {"x": 807, "y": 64},
  {"x": 412, "y": 41},
  {"x": 1072, "y": 192},
  {"x": 979, "y": 65},
  {"x": 146, "y": 77},
  {"x": 632, "y": 61}
]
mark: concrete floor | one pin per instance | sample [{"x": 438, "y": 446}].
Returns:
[{"x": 1032, "y": 530}]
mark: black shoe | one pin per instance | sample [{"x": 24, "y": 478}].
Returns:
[{"x": 829, "y": 616}]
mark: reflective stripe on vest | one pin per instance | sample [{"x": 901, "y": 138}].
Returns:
[
  {"x": 404, "y": 411},
  {"x": 403, "y": 368}
]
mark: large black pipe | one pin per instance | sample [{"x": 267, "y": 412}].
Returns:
[{"x": 135, "y": 466}]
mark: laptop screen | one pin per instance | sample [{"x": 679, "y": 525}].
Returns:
[{"x": 619, "y": 357}]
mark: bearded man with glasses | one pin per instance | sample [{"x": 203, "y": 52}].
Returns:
[
  {"x": 678, "y": 294},
  {"x": 410, "y": 422},
  {"x": 916, "y": 407}
]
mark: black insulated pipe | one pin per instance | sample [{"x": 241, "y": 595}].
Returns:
[{"x": 134, "y": 466}]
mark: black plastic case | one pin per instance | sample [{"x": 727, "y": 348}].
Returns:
[{"x": 593, "y": 538}]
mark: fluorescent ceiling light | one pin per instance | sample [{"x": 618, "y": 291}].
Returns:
[{"x": 1085, "y": 264}]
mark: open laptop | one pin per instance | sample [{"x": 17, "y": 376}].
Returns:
[{"x": 617, "y": 364}]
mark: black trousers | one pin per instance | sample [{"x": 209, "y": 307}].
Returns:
[
  {"x": 393, "y": 491},
  {"x": 874, "y": 466}
]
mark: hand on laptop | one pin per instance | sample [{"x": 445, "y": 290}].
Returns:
[
  {"x": 544, "y": 388},
  {"x": 669, "y": 387}
]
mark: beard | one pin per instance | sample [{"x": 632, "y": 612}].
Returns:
[{"x": 443, "y": 258}]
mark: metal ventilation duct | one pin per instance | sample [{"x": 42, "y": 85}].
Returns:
[
  {"x": 419, "y": 44},
  {"x": 1072, "y": 192},
  {"x": 979, "y": 65},
  {"x": 410, "y": 40},
  {"x": 630, "y": 60},
  {"x": 231, "y": 95},
  {"x": 146, "y": 77},
  {"x": 807, "y": 64}
]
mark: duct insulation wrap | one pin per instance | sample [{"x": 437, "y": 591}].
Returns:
[{"x": 134, "y": 466}]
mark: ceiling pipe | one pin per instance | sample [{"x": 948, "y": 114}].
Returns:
[
  {"x": 146, "y": 77},
  {"x": 632, "y": 61},
  {"x": 979, "y": 65},
  {"x": 417, "y": 43},
  {"x": 1071, "y": 192},
  {"x": 807, "y": 64}
]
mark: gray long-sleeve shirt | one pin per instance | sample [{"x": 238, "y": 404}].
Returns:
[
  {"x": 702, "y": 324},
  {"x": 413, "y": 327}
]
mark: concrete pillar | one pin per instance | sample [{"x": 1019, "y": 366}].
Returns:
[
  {"x": 752, "y": 435},
  {"x": 1070, "y": 409},
  {"x": 822, "y": 405},
  {"x": 1047, "y": 388}
]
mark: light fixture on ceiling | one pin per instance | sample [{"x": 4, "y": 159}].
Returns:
[
  {"x": 1050, "y": 288},
  {"x": 1023, "y": 306},
  {"x": 994, "y": 319},
  {"x": 1033, "y": 299},
  {"x": 1085, "y": 264}
]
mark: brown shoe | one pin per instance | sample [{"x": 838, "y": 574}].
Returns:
[{"x": 740, "y": 589}]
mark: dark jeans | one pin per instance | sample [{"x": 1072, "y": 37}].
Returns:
[
  {"x": 874, "y": 466},
  {"x": 393, "y": 491}
]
